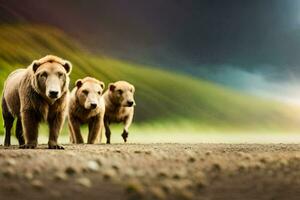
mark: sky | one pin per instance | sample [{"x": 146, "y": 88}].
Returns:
[{"x": 251, "y": 45}]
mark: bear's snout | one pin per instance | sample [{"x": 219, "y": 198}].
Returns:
[
  {"x": 93, "y": 105},
  {"x": 130, "y": 103},
  {"x": 53, "y": 94}
]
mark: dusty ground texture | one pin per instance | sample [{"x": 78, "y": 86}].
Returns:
[{"x": 152, "y": 171}]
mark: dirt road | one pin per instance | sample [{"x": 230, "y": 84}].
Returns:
[{"x": 152, "y": 171}]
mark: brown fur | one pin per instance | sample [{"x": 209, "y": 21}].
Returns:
[
  {"x": 88, "y": 92},
  {"x": 119, "y": 107},
  {"x": 26, "y": 95}
]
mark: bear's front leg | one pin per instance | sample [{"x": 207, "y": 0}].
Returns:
[
  {"x": 74, "y": 128},
  {"x": 107, "y": 130},
  {"x": 30, "y": 122},
  {"x": 95, "y": 126},
  {"x": 55, "y": 123},
  {"x": 127, "y": 124}
]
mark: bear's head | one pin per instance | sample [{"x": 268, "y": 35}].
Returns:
[
  {"x": 51, "y": 77},
  {"x": 89, "y": 92},
  {"x": 121, "y": 93}
]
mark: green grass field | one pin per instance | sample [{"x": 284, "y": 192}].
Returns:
[{"x": 164, "y": 99}]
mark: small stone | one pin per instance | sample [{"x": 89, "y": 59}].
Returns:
[
  {"x": 186, "y": 195},
  {"x": 115, "y": 166},
  {"x": 93, "y": 166},
  {"x": 263, "y": 160},
  {"x": 191, "y": 159},
  {"x": 101, "y": 161},
  {"x": 8, "y": 172},
  {"x": 158, "y": 193},
  {"x": 60, "y": 176},
  {"x": 216, "y": 167},
  {"x": 109, "y": 174},
  {"x": 201, "y": 184},
  {"x": 28, "y": 175},
  {"x": 37, "y": 184},
  {"x": 13, "y": 188},
  {"x": 129, "y": 172},
  {"x": 242, "y": 167},
  {"x": 137, "y": 151},
  {"x": 84, "y": 182},
  {"x": 283, "y": 163},
  {"x": 162, "y": 174},
  {"x": 70, "y": 171},
  {"x": 257, "y": 166},
  {"x": 37, "y": 170},
  {"x": 55, "y": 194},
  {"x": 11, "y": 161},
  {"x": 134, "y": 186},
  {"x": 208, "y": 153}
]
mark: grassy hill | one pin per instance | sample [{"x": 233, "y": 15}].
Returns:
[{"x": 162, "y": 97}]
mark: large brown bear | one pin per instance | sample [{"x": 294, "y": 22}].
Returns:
[
  {"x": 86, "y": 106},
  {"x": 119, "y": 107},
  {"x": 36, "y": 93}
]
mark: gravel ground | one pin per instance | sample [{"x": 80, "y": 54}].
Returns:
[{"x": 152, "y": 171}]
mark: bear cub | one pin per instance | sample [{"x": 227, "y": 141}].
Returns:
[
  {"x": 86, "y": 106},
  {"x": 119, "y": 107}
]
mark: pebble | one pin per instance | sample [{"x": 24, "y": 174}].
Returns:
[
  {"x": 242, "y": 167},
  {"x": 115, "y": 166},
  {"x": 162, "y": 174},
  {"x": 13, "y": 188},
  {"x": 93, "y": 166},
  {"x": 100, "y": 161},
  {"x": 28, "y": 175},
  {"x": 60, "y": 176},
  {"x": 84, "y": 182},
  {"x": 186, "y": 195},
  {"x": 109, "y": 174},
  {"x": 216, "y": 167},
  {"x": 10, "y": 161},
  {"x": 201, "y": 184},
  {"x": 129, "y": 172},
  {"x": 263, "y": 160},
  {"x": 9, "y": 172},
  {"x": 158, "y": 193},
  {"x": 133, "y": 186},
  {"x": 70, "y": 170},
  {"x": 191, "y": 159},
  {"x": 37, "y": 184}
]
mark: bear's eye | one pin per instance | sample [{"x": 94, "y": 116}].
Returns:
[
  {"x": 85, "y": 92},
  {"x": 99, "y": 92},
  {"x": 120, "y": 91},
  {"x": 44, "y": 75},
  {"x": 60, "y": 75}
]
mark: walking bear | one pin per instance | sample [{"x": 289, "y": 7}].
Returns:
[
  {"x": 119, "y": 107},
  {"x": 38, "y": 92},
  {"x": 86, "y": 106}
]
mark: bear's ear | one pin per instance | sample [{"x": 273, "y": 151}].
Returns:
[
  {"x": 111, "y": 87},
  {"x": 78, "y": 83},
  {"x": 133, "y": 89},
  {"x": 68, "y": 67},
  {"x": 35, "y": 65},
  {"x": 102, "y": 84}
]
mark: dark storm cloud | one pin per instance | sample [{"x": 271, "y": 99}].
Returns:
[{"x": 253, "y": 35}]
